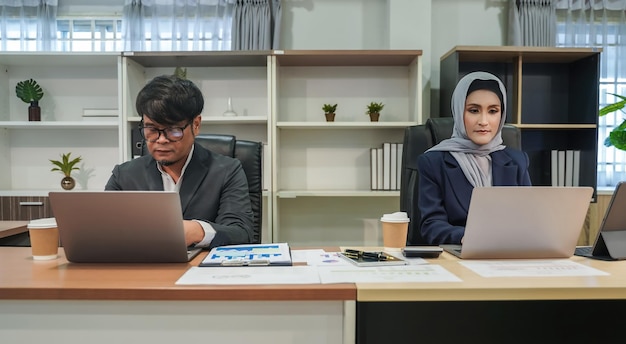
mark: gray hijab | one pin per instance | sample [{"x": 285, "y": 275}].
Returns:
[{"x": 473, "y": 159}]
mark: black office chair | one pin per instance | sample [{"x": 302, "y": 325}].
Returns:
[
  {"x": 417, "y": 139},
  {"x": 250, "y": 154}
]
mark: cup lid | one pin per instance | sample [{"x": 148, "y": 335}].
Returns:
[
  {"x": 43, "y": 223},
  {"x": 398, "y": 216}
]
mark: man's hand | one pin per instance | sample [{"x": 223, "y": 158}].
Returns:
[{"x": 193, "y": 232}]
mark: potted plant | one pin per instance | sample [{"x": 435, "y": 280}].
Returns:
[
  {"x": 617, "y": 137},
  {"x": 30, "y": 93},
  {"x": 181, "y": 72},
  {"x": 373, "y": 109},
  {"x": 329, "y": 112},
  {"x": 66, "y": 166}
]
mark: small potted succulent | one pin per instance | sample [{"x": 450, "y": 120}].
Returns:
[
  {"x": 30, "y": 92},
  {"x": 373, "y": 109},
  {"x": 66, "y": 166},
  {"x": 329, "y": 112}
]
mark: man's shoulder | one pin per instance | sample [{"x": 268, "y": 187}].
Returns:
[
  {"x": 141, "y": 161},
  {"x": 207, "y": 155}
]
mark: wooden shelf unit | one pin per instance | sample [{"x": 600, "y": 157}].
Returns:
[{"x": 552, "y": 96}]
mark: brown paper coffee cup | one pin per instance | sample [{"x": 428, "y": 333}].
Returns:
[
  {"x": 44, "y": 238},
  {"x": 394, "y": 234},
  {"x": 395, "y": 229}
]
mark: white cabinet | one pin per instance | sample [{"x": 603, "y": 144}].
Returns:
[
  {"x": 322, "y": 192},
  {"x": 244, "y": 77},
  {"x": 75, "y": 85}
]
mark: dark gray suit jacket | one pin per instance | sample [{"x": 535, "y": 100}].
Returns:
[{"x": 214, "y": 189}]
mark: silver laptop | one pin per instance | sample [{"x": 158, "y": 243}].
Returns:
[
  {"x": 610, "y": 243},
  {"x": 121, "y": 226},
  {"x": 523, "y": 222}
]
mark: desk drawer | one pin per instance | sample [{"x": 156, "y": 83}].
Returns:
[{"x": 23, "y": 208}]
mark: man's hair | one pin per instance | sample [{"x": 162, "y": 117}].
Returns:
[{"x": 168, "y": 99}]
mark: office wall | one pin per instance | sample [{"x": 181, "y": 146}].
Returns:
[{"x": 434, "y": 26}]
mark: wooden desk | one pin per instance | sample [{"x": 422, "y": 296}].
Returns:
[
  {"x": 103, "y": 303},
  {"x": 496, "y": 310},
  {"x": 8, "y": 228},
  {"x": 66, "y": 303}
]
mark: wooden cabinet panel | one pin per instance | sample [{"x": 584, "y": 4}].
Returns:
[{"x": 13, "y": 208}]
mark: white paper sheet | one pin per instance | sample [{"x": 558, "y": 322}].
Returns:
[
  {"x": 530, "y": 268},
  {"x": 318, "y": 257},
  {"x": 411, "y": 260},
  {"x": 248, "y": 275},
  {"x": 386, "y": 274}
]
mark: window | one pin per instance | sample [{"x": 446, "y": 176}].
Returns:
[
  {"x": 102, "y": 34},
  {"x": 611, "y": 161},
  {"x": 96, "y": 34}
]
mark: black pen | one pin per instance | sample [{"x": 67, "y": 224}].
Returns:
[{"x": 375, "y": 255}]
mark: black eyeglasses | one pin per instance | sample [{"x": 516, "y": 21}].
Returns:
[{"x": 152, "y": 134}]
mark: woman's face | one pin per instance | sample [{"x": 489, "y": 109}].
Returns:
[{"x": 481, "y": 116}]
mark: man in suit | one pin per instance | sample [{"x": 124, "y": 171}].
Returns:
[{"x": 213, "y": 188}]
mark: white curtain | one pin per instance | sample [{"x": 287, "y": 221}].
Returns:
[
  {"x": 532, "y": 23},
  {"x": 177, "y": 25},
  {"x": 602, "y": 23},
  {"x": 28, "y": 25},
  {"x": 256, "y": 24}
]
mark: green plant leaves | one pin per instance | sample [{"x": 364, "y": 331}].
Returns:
[
  {"x": 617, "y": 137},
  {"x": 66, "y": 166},
  {"x": 29, "y": 91},
  {"x": 328, "y": 108},
  {"x": 613, "y": 107},
  {"x": 374, "y": 107}
]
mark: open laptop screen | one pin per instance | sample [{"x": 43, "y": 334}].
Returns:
[
  {"x": 524, "y": 221},
  {"x": 120, "y": 226}
]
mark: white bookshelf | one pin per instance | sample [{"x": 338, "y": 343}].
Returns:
[
  {"x": 322, "y": 169},
  {"x": 72, "y": 83}
]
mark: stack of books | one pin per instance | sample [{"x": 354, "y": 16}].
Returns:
[
  {"x": 565, "y": 167},
  {"x": 386, "y": 166}
]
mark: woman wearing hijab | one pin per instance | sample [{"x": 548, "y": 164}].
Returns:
[{"x": 473, "y": 156}]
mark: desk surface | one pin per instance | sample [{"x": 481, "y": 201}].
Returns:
[
  {"x": 474, "y": 287},
  {"x": 8, "y": 228},
  {"x": 23, "y": 278}
]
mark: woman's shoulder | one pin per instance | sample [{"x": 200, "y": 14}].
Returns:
[
  {"x": 514, "y": 153},
  {"x": 432, "y": 155},
  {"x": 433, "y": 158}
]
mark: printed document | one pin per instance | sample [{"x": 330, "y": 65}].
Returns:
[
  {"x": 530, "y": 268},
  {"x": 248, "y": 255}
]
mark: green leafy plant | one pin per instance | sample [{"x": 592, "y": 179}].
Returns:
[
  {"x": 180, "y": 72},
  {"x": 374, "y": 107},
  {"x": 29, "y": 91},
  {"x": 329, "y": 108},
  {"x": 617, "y": 137},
  {"x": 65, "y": 165}
]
